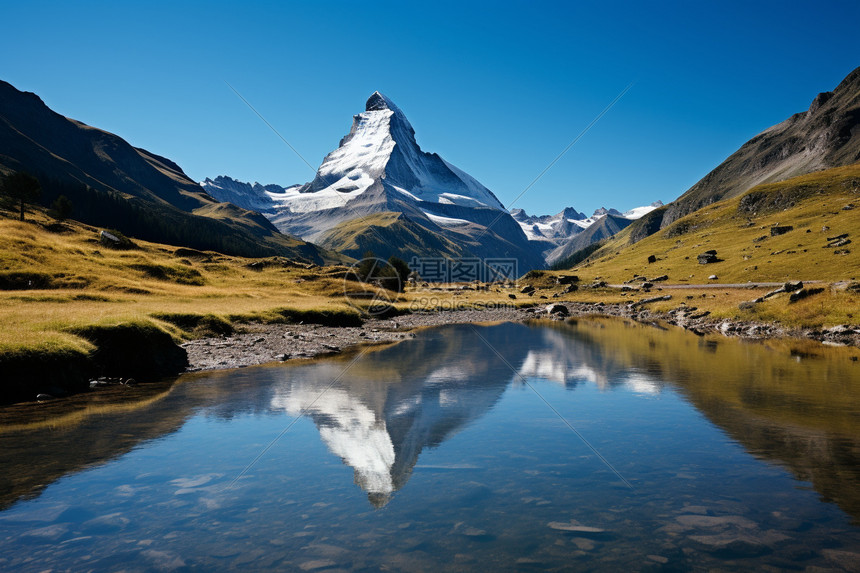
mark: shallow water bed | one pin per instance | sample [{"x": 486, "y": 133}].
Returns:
[{"x": 589, "y": 445}]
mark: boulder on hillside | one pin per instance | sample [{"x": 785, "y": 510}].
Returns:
[
  {"x": 708, "y": 257},
  {"x": 557, "y": 309}
]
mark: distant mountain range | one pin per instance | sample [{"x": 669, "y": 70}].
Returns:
[
  {"x": 379, "y": 191},
  {"x": 558, "y": 236},
  {"x": 113, "y": 184}
]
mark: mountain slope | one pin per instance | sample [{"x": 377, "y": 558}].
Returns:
[
  {"x": 826, "y": 135},
  {"x": 603, "y": 228},
  {"x": 114, "y": 184},
  {"x": 379, "y": 168},
  {"x": 782, "y": 231},
  {"x": 389, "y": 234}
]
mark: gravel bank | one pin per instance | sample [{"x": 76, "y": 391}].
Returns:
[{"x": 265, "y": 343}]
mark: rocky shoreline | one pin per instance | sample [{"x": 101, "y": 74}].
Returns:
[{"x": 266, "y": 343}]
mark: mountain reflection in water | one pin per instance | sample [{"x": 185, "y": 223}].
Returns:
[
  {"x": 793, "y": 403},
  {"x": 450, "y": 438}
]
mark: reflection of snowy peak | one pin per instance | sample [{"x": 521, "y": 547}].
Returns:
[
  {"x": 554, "y": 361},
  {"x": 379, "y": 427},
  {"x": 350, "y": 429}
]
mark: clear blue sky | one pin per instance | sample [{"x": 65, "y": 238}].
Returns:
[{"x": 498, "y": 89}]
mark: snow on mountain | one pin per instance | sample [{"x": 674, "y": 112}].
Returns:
[
  {"x": 549, "y": 227},
  {"x": 550, "y": 233},
  {"x": 379, "y": 167},
  {"x": 639, "y": 212},
  {"x": 381, "y": 145},
  {"x": 255, "y": 197}
]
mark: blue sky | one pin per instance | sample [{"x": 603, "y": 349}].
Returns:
[{"x": 499, "y": 89}]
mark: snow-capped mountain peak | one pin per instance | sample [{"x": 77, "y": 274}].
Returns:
[
  {"x": 378, "y": 167},
  {"x": 381, "y": 146},
  {"x": 638, "y": 212}
]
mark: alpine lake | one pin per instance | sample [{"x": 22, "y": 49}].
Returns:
[{"x": 583, "y": 445}]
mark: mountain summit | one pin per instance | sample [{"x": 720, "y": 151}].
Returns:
[
  {"x": 381, "y": 146},
  {"x": 380, "y": 191}
]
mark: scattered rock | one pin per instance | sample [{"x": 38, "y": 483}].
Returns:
[
  {"x": 847, "y": 559},
  {"x": 713, "y": 277},
  {"x": 653, "y": 299},
  {"x": 583, "y": 544},
  {"x": 780, "y": 230},
  {"x": 528, "y": 289},
  {"x": 804, "y": 293},
  {"x": 317, "y": 564},
  {"x": 708, "y": 257},
  {"x": 574, "y": 526},
  {"x": 837, "y": 241},
  {"x": 567, "y": 279},
  {"x": 652, "y": 259},
  {"x": 737, "y": 544},
  {"x": 109, "y": 239},
  {"x": 558, "y": 309},
  {"x": 747, "y": 305},
  {"x": 512, "y": 296},
  {"x": 661, "y": 278}
]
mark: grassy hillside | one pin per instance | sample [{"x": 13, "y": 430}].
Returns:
[
  {"x": 818, "y": 206},
  {"x": 824, "y": 136},
  {"x": 64, "y": 294},
  {"x": 387, "y": 234},
  {"x": 111, "y": 183}
]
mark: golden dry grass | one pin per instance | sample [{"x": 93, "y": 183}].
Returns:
[
  {"x": 813, "y": 204},
  {"x": 92, "y": 284}
]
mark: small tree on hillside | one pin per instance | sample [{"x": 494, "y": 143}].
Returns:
[
  {"x": 402, "y": 269},
  {"x": 61, "y": 208},
  {"x": 23, "y": 188},
  {"x": 367, "y": 266}
]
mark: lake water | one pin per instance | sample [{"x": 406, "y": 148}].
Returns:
[{"x": 588, "y": 445}]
